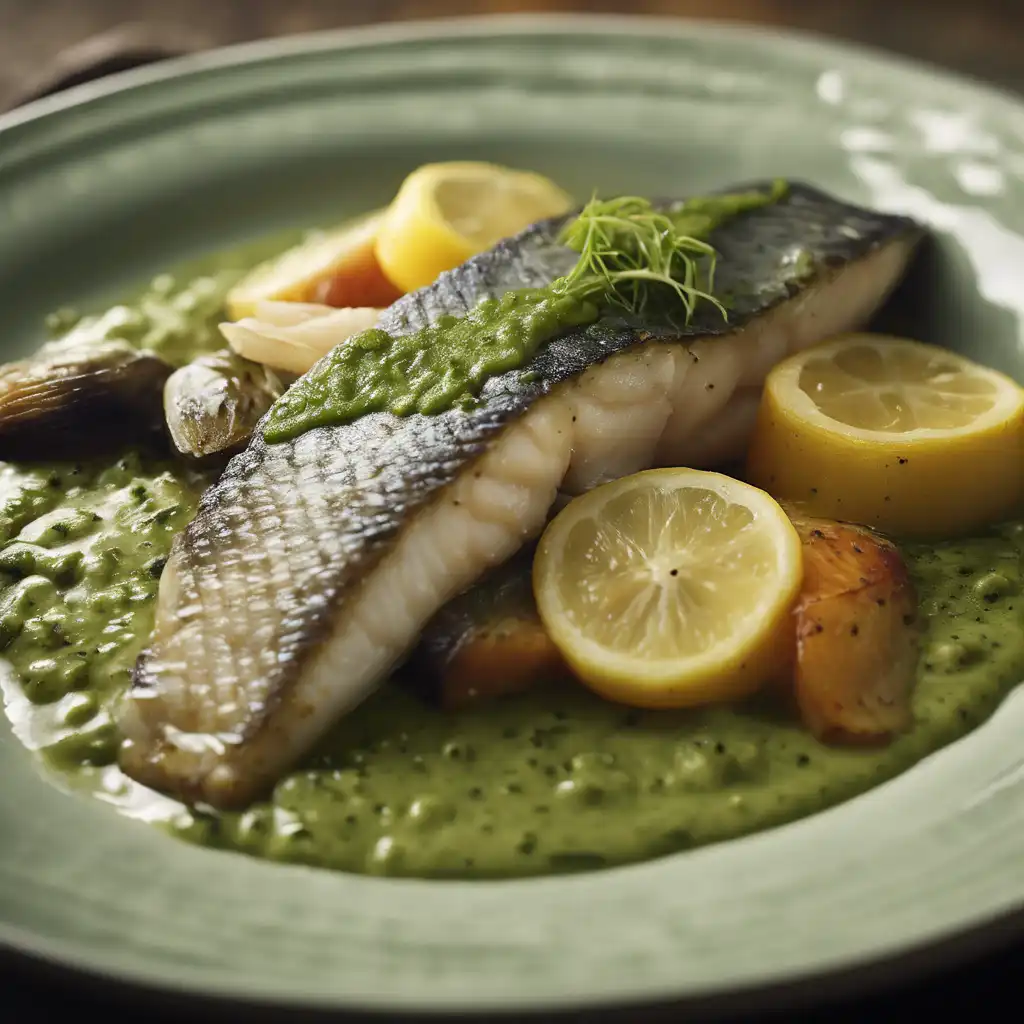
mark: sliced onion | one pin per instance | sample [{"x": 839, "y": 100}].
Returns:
[{"x": 292, "y": 336}]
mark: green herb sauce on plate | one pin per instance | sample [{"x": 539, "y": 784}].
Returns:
[{"x": 553, "y": 780}]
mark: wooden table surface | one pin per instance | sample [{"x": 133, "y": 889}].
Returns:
[{"x": 983, "y": 38}]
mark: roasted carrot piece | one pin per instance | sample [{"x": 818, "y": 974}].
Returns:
[
  {"x": 487, "y": 643},
  {"x": 510, "y": 657}
]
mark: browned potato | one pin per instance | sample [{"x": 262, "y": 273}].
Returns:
[{"x": 856, "y": 633}]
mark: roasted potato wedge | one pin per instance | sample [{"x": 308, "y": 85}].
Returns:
[{"x": 856, "y": 633}]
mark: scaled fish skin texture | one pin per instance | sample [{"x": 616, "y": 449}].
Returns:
[{"x": 313, "y": 565}]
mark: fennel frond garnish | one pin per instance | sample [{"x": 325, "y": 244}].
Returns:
[{"x": 631, "y": 252}]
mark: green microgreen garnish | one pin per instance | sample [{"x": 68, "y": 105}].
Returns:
[{"x": 630, "y": 252}]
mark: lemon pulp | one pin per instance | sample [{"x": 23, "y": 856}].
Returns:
[
  {"x": 912, "y": 439},
  {"x": 670, "y": 588}
]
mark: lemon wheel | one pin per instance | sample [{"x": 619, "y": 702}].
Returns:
[
  {"x": 671, "y": 588},
  {"x": 912, "y": 439},
  {"x": 445, "y": 213}
]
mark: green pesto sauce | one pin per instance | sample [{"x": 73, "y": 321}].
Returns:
[
  {"x": 447, "y": 363},
  {"x": 560, "y": 780},
  {"x": 554, "y": 780},
  {"x": 82, "y": 547},
  {"x": 430, "y": 370}
]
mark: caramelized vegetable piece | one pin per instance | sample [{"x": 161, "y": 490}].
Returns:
[
  {"x": 291, "y": 336},
  {"x": 337, "y": 268},
  {"x": 214, "y": 403},
  {"x": 361, "y": 283},
  {"x": 71, "y": 391},
  {"x": 508, "y": 656},
  {"x": 856, "y": 633},
  {"x": 488, "y": 642}
]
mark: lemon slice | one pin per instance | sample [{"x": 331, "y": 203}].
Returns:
[
  {"x": 912, "y": 439},
  {"x": 444, "y": 213},
  {"x": 337, "y": 266},
  {"x": 671, "y": 588}
]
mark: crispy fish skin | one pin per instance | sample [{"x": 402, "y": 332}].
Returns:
[{"x": 312, "y": 565}]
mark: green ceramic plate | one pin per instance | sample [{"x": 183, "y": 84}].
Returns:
[{"x": 105, "y": 185}]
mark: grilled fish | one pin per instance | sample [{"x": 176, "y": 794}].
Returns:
[{"x": 312, "y": 565}]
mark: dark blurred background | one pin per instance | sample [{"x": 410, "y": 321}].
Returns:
[{"x": 984, "y": 38}]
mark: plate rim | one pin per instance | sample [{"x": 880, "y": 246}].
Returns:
[
  {"x": 18, "y": 944},
  {"x": 869, "y": 977},
  {"x": 239, "y": 54}
]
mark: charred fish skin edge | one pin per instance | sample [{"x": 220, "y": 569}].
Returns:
[{"x": 312, "y": 565}]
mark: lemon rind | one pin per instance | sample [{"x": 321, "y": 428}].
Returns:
[{"x": 798, "y": 406}]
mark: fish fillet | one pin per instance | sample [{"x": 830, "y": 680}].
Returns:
[{"x": 312, "y": 565}]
